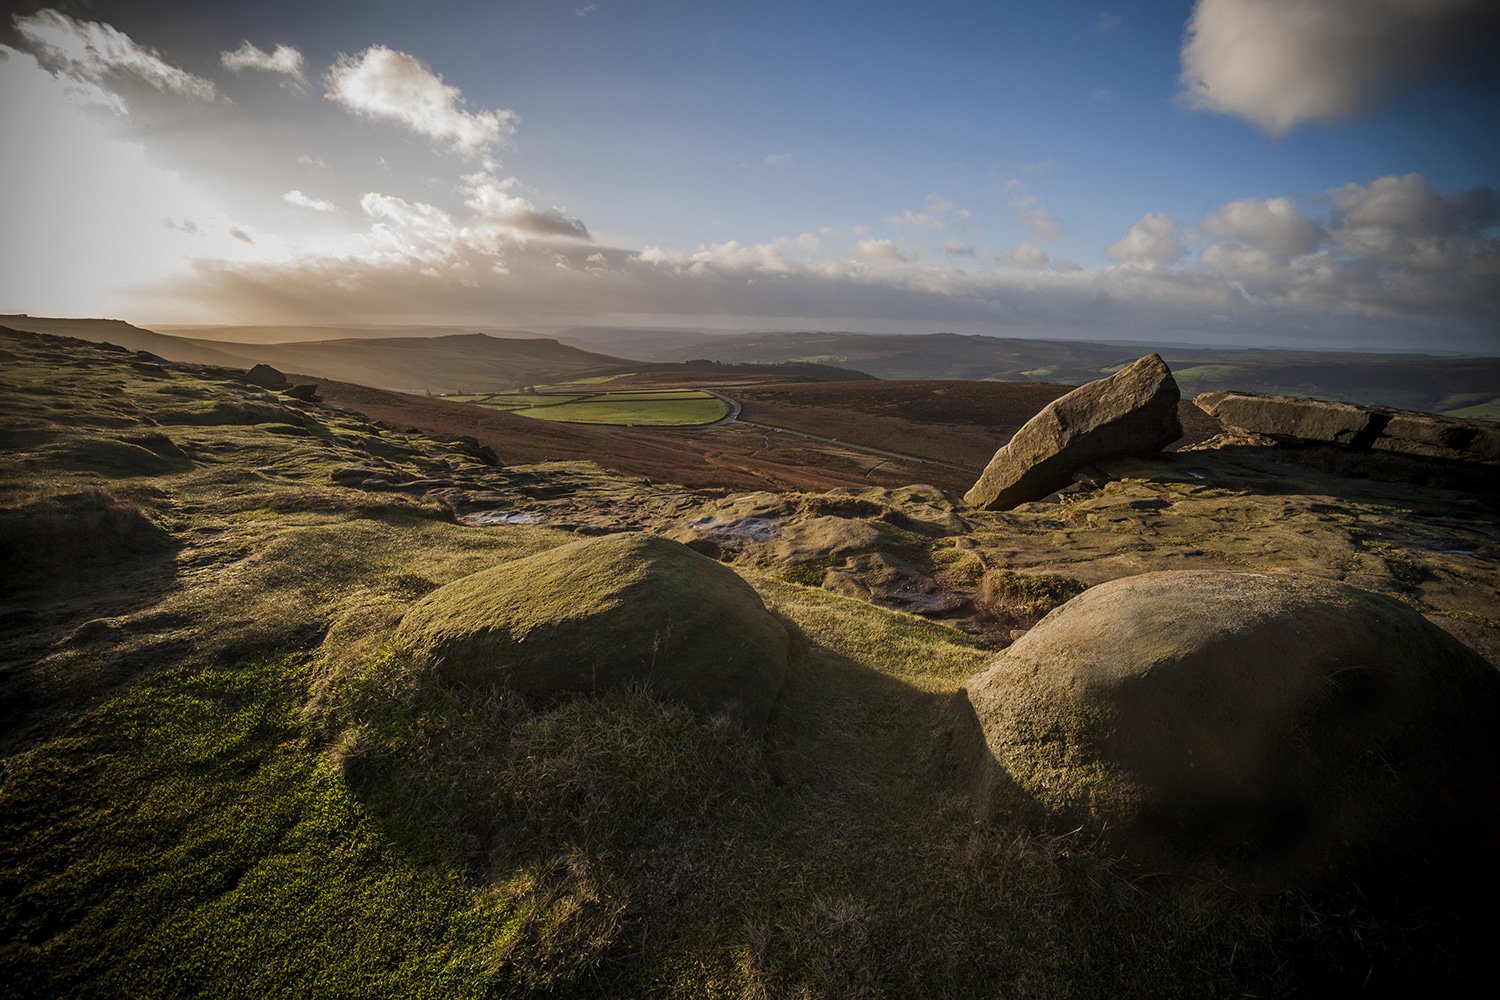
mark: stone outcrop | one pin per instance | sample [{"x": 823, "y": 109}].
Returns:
[
  {"x": 266, "y": 377},
  {"x": 1282, "y": 723},
  {"x": 1132, "y": 412},
  {"x": 1301, "y": 420},
  {"x": 604, "y": 613},
  {"x": 305, "y": 391}
]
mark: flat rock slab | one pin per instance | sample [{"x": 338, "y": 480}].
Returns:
[
  {"x": 1132, "y": 412},
  {"x": 603, "y": 613},
  {"x": 1280, "y": 723},
  {"x": 1300, "y": 419}
]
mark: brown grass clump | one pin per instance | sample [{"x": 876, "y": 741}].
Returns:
[{"x": 64, "y": 533}]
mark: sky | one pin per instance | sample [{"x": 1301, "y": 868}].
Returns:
[{"x": 1281, "y": 173}]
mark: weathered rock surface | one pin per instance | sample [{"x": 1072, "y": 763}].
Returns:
[
  {"x": 603, "y": 613},
  {"x": 1280, "y": 723},
  {"x": 1133, "y": 412},
  {"x": 305, "y": 391},
  {"x": 1298, "y": 419},
  {"x": 266, "y": 377}
]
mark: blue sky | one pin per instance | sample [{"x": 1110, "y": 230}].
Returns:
[{"x": 1256, "y": 172}]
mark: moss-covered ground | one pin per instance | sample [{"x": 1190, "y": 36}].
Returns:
[{"x": 219, "y": 781}]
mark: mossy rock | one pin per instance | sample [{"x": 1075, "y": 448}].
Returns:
[
  {"x": 1285, "y": 726},
  {"x": 628, "y": 609}
]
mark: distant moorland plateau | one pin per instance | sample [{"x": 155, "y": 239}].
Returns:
[{"x": 438, "y": 360}]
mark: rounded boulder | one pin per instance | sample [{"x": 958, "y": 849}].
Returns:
[
  {"x": 1289, "y": 725},
  {"x": 606, "y": 612}
]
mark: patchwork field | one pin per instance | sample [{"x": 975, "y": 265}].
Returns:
[{"x": 644, "y": 408}]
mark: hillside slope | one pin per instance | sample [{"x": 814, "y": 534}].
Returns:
[{"x": 1415, "y": 382}]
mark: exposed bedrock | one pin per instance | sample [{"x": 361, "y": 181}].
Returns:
[
  {"x": 1298, "y": 419},
  {"x": 603, "y": 613},
  {"x": 1132, "y": 412},
  {"x": 1285, "y": 726}
]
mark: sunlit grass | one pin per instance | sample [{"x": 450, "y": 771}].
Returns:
[{"x": 641, "y": 408}]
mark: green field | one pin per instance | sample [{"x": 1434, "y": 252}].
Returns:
[{"x": 642, "y": 408}]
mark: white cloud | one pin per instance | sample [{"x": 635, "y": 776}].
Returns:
[
  {"x": 585, "y": 10},
  {"x": 909, "y": 218},
  {"x": 879, "y": 250},
  {"x": 1154, "y": 241},
  {"x": 956, "y": 249},
  {"x": 937, "y": 207},
  {"x": 809, "y": 242},
  {"x": 494, "y": 206},
  {"x": 385, "y": 85},
  {"x": 303, "y": 201},
  {"x": 285, "y": 60},
  {"x": 1027, "y": 255},
  {"x": 1107, "y": 21},
  {"x": 89, "y": 52},
  {"x": 777, "y": 159},
  {"x": 1271, "y": 224},
  {"x": 1102, "y": 95},
  {"x": 1031, "y": 211},
  {"x": 1281, "y": 63},
  {"x": 311, "y": 161}
]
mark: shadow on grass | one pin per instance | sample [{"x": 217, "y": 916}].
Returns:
[
  {"x": 615, "y": 841},
  {"x": 72, "y": 566}
]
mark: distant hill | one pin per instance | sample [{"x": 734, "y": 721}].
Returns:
[
  {"x": 468, "y": 362},
  {"x": 1466, "y": 385},
  {"x": 302, "y": 333}
]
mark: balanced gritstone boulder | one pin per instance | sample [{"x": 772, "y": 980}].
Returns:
[
  {"x": 603, "y": 613},
  {"x": 1133, "y": 412},
  {"x": 1286, "y": 724}
]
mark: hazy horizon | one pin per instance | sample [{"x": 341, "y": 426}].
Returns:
[{"x": 1220, "y": 173}]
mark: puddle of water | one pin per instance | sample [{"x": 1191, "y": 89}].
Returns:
[
  {"x": 758, "y": 529},
  {"x": 500, "y": 517}
]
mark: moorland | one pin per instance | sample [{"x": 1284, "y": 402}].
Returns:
[{"x": 224, "y": 777}]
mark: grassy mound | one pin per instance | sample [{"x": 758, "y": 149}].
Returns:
[
  {"x": 606, "y": 612},
  {"x": 1282, "y": 724},
  {"x": 67, "y": 532}
]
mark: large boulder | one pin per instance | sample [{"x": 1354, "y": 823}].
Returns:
[
  {"x": 1285, "y": 725},
  {"x": 1133, "y": 412},
  {"x": 266, "y": 377},
  {"x": 606, "y": 612},
  {"x": 1303, "y": 420}
]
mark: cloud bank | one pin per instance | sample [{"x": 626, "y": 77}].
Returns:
[
  {"x": 1393, "y": 254},
  {"x": 1283, "y": 63},
  {"x": 382, "y": 84}
]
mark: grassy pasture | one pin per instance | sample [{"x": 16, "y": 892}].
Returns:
[
  {"x": 218, "y": 780},
  {"x": 639, "y": 408}
]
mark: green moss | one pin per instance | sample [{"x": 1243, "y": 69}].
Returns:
[{"x": 1035, "y": 594}]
